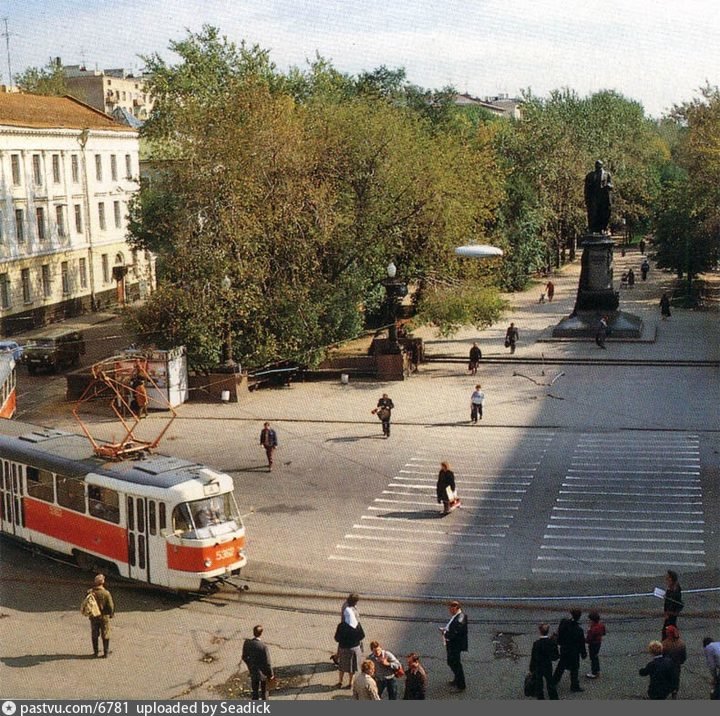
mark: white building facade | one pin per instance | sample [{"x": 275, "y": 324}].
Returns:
[{"x": 67, "y": 173}]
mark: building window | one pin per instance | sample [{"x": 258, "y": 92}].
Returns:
[
  {"x": 82, "y": 271},
  {"x": 128, "y": 166},
  {"x": 106, "y": 268},
  {"x": 60, "y": 218},
  {"x": 101, "y": 215},
  {"x": 65, "y": 277},
  {"x": 78, "y": 219},
  {"x": 40, "y": 216},
  {"x": 2, "y": 228},
  {"x": 20, "y": 226},
  {"x": 26, "y": 286},
  {"x": 37, "y": 171},
  {"x": 116, "y": 211},
  {"x": 4, "y": 291},
  {"x": 56, "y": 168},
  {"x": 75, "y": 168},
  {"x": 15, "y": 168},
  {"x": 98, "y": 167},
  {"x": 113, "y": 167},
  {"x": 46, "y": 283}
]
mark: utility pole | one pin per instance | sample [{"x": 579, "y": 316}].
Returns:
[{"x": 6, "y": 35}]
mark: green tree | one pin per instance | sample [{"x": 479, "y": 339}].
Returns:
[
  {"x": 48, "y": 80},
  {"x": 687, "y": 221},
  {"x": 299, "y": 189}
]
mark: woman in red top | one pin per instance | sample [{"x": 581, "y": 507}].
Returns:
[{"x": 595, "y": 633}]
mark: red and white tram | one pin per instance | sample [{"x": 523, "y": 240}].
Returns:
[
  {"x": 8, "y": 391},
  {"x": 154, "y": 518}
]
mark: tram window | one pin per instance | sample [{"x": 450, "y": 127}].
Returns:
[
  {"x": 141, "y": 551},
  {"x": 71, "y": 493},
  {"x": 131, "y": 514},
  {"x": 6, "y": 475},
  {"x": 181, "y": 518},
  {"x": 140, "y": 515},
  {"x": 162, "y": 516},
  {"x": 152, "y": 517},
  {"x": 104, "y": 503},
  {"x": 40, "y": 484},
  {"x": 131, "y": 548}
]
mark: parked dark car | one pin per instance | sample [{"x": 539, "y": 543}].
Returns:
[{"x": 53, "y": 351}]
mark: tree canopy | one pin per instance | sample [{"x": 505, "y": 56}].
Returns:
[{"x": 282, "y": 196}]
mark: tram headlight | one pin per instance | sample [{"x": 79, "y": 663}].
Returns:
[
  {"x": 207, "y": 562},
  {"x": 240, "y": 552}
]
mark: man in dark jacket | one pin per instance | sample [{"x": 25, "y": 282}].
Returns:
[
  {"x": 571, "y": 640},
  {"x": 544, "y": 652},
  {"x": 268, "y": 439},
  {"x": 455, "y": 634},
  {"x": 256, "y": 657},
  {"x": 661, "y": 671}
]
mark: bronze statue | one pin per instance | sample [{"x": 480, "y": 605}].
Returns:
[{"x": 598, "y": 199}]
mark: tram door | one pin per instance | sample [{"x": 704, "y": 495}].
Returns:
[
  {"x": 136, "y": 511},
  {"x": 11, "y": 507}
]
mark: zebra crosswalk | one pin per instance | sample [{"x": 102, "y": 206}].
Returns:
[
  {"x": 405, "y": 519},
  {"x": 628, "y": 506}
]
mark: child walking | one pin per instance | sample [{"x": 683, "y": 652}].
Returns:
[{"x": 595, "y": 633}]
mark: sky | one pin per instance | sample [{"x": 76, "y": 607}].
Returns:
[{"x": 658, "y": 52}]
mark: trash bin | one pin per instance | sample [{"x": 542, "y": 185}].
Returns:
[
  {"x": 344, "y": 378},
  {"x": 225, "y": 396}
]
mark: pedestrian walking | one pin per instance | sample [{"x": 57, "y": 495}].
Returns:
[
  {"x": 256, "y": 656},
  {"x": 455, "y": 636},
  {"x": 100, "y": 622},
  {"x": 550, "y": 289},
  {"x": 446, "y": 490},
  {"x": 476, "y": 404},
  {"x": 595, "y": 633},
  {"x": 415, "y": 679},
  {"x": 364, "y": 687},
  {"x": 631, "y": 278},
  {"x": 602, "y": 332},
  {"x": 474, "y": 359},
  {"x": 660, "y": 670},
  {"x": 642, "y": 247},
  {"x": 673, "y": 603},
  {"x": 674, "y": 647},
  {"x": 349, "y": 635},
  {"x": 544, "y": 652},
  {"x": 711, "y": 651},
  {"x": 644, "y": 269},
  {"x": 386, "y": 664},
  {"x": 383, "y": 410},
  {"x": 665, "y": 306},
  {"x": 571, "y": 641},
  {"x": 512, "y": 336},
  {"x": 268, "y": 439}
]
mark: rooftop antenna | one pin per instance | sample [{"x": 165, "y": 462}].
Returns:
[{"x": 6, "y": 35}]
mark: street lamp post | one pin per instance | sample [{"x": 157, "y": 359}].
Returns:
[
  {"x": 228, "y": 360},
  {"x": 395, "y": 289}
]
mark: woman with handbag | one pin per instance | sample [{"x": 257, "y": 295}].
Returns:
[
  {"x": 349, "y": 653},
  {"x": 445, "y": 488},
  {"x": 387, "y": 667}
]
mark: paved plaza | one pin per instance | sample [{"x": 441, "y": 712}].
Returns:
[{"x": 588, "y": 476}]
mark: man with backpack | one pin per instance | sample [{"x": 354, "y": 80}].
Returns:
[
  {"x": 98, "y": 605},
  {"x": 571, "y": 640}
]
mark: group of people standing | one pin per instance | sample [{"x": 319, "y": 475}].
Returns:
[{"x": 379, "y": 671}]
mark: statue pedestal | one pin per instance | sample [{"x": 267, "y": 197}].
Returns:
[
  {"x": 595, "y": 289},
  {"x": 596, "y": 296}
]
